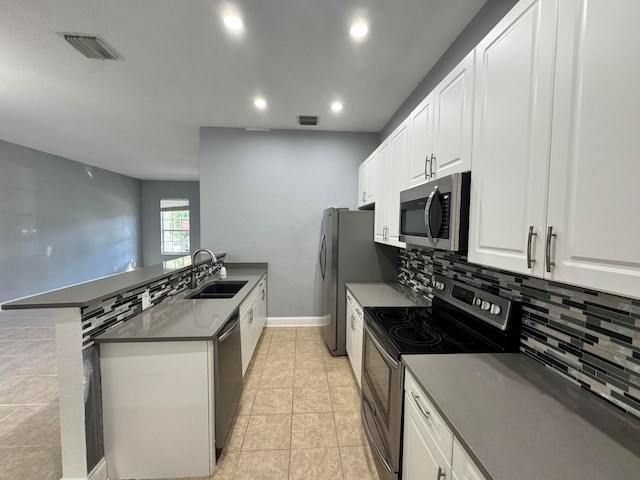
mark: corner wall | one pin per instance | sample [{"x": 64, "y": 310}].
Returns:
[
  {"x": 262, "y": 196},
  {"x": 62, "y": 222}
]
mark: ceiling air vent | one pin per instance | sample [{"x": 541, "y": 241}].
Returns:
[
  {"x": 91, "y": 46},
  {"x": 311, "y": 120}
]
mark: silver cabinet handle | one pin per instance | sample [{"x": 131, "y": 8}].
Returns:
[
  {"x": 550, "y": 235},
  {"x": 431, "y": 162},
  {"x": 426, "y": 165},
  {"x": 353, "y": 326},
  {"x": 416, "y": 398},
  {"x": 263, "y": 294},
  {"x": 530, "y": 261},
  {"x": 364, "y": 195},
  {"x": 441, "y": 474},
  {"x": 251, "y": 316}
]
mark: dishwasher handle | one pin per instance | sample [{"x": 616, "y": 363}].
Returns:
[{"x": 223, "y": 336}]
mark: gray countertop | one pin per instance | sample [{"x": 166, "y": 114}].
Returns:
[
  {"x": 178, "y": 319},
  {"x": 379, "y": 294},
  {"x": 520, "y": 421},
  {"x": 83, "y": 294}
]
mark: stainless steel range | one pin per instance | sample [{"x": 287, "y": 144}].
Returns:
[{"x": 462, "y": 319}]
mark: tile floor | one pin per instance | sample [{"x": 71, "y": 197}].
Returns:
[{"x": 299, "y": 416}]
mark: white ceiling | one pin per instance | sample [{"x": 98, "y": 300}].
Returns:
[{"x": 182, "y": 70}]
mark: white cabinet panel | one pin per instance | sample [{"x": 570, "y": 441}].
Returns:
[
  {"x": 382, "y": 192},
  {"x": 367, "y": 181},
  {"x": 511, "y": 137},
  {"x": 354, "y": 327},
  {"x": 593, "y": 189},
  {"x": 253, "y": 316},
  {"x": 463, "y": 466},
  {"x": 397, "y": 180},
  {"x": 421, "y": 137}
]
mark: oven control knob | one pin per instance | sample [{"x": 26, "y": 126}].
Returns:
[
  {"x": 439, "y": 286},
  {"x": 485, "y": 305},
  {"x": 495, "y": 309},
  {"x": 477, "y": 301}
]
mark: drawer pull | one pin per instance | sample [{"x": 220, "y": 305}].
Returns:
[
  {"x": 441, "y": 474},
  {"x": 424, "y": 412}
]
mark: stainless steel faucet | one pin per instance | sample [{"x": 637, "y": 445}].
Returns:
[{"x": 194, "y": 278}]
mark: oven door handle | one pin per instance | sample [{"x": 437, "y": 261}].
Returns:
[
  {"x": 371, "y": 440},
  {"x": 381, "y": 350},
  {"x": 427, "y": 214}
]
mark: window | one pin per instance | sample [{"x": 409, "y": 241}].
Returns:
[{"x": 174, "y": 223}]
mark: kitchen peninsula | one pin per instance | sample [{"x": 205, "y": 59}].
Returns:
[{"x": 84, "y": 311}]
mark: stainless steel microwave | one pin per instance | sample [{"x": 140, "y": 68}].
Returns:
[{"x": 436, "y": 214}]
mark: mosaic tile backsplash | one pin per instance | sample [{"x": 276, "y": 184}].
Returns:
[{"x": 589, "y": 337}]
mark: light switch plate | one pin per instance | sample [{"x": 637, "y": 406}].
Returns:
[{"x": 146, "y": 300}]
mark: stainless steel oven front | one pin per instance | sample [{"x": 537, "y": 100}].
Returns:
[{"x": 382, "y": 384}]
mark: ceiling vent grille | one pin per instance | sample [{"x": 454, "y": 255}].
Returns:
[
  {"x": 310, "y": 120},
  {"x": 91, "y": 46}
]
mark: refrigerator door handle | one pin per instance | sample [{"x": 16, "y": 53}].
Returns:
[{"x": 323, "y": 255}]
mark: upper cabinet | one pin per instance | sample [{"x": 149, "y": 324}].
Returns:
[
  {"x": 391, "y": 175},
  {"x": 554, "y": 149},
  {"x": 367, "y": 182},
  {"x": 440, "y": 128}
]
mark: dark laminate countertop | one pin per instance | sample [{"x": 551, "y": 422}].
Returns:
[{"x": 521, "y": 421}]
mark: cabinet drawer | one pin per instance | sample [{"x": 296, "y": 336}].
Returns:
[
  {"x": 429, "y": 416},
  {"x": 463, "y": 467},
  {"x": 357, "y": 308}
]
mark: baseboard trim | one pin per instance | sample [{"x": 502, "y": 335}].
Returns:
[
  {"x": 99, "y": 472},
  {"x": 294, "y": 321}
]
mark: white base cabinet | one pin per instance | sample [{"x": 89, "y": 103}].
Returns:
[
  {"x": 463, "y": 466},
  {"x": 355, "y": 325},
  {"x": 253, "y": 317},
  {"x": 158, "y": 409}
]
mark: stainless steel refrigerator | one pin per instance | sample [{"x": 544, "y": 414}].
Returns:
[{"x": 348, "y": 254}]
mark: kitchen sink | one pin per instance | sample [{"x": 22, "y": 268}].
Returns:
[{"x": 218, "y": 289}]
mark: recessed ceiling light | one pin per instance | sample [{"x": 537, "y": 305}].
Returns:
[
  {"x": 233, "y": 22},
  {"x": 359, "y": 29},
  {"x": 260, "y": 103},
  {"x": 337, "y": 106}
]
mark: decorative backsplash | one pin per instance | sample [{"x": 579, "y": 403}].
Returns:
[{"x": 589, "y": 337}]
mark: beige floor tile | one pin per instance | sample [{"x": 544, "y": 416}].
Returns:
[
  {"x": 268, "y": 432},
  {"x": 309, "y": 333},
  {"x": 251, "y": 378},
  {"x": 316, "y": 347},
  {"x": 257, "y": 363},
  {"x": 345, "y": 399},
  {"x": 283, "y": 347},
  {"x": 331, "y": 362},
  {"x": 309, "y": 400},
  {"x": 246, "y": 401},
  {"x": 279, "y": 361},
  {"x": 33, "y": 463},
  {"x": 310, "y": 377},
  {"x": 226, "y": 466},
  {"x": 340, "y": 376},
  {"x": 313, "y": 430},
  {"x": 349, "y": 428},
  {"x": 270, "y": 401},
  {"x": 49, "y": 437},
  {"x": 238, "y": 431},
  {"x": 309, "y": 360},
  {"x": 267, "y": 332},
  {"x": 272, "y": 378},
  {"x": 7, "y": 452},
  {"x": 261, "y": 350},
  {"x": 316, "y": 464},
  {"x": 283, "y": 334},
  {"x": 357, "y": 464},
  {"x": 263, "y": 465}
]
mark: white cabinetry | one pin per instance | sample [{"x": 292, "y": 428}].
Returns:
[
  {"x": 463, "y": 466},
  {"x": 511, "y": 137},
  {"x": 253, "y": 316},
  {"x": 391, "y": 163},
  {"x": 367, "y": 181},
  {"x": 427, "y": 441},
  {"x": 355, "y": 322},
  {"x": 563, "y": 168},
  {"x": 440, "y": 127}
]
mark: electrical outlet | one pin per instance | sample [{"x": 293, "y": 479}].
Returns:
[{"x": 146, "y": 300}]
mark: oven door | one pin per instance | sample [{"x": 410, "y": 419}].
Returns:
[{"x": 382, "y": 404}]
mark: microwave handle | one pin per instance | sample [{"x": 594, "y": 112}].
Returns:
[{"x": 427, "y": 214}]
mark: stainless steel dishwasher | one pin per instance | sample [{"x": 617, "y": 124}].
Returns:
[{"x": 227, "y": 378}]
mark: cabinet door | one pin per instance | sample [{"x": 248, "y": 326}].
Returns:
[
  {"x": 419, "y": 459},
  {"x": 362, "y": 183},
  {"x": 463, "y": 466},
  {"x": 382, "y": 187},
  {"x": 358, "y": 337},
  {"x": 454, "y": 120},
  {"x": 350, "y": 326},
  {"x": 370, "y": 180},
  {"x": 397, "y": 182},
  {"x": 593, "y": 190},
  {"x": 246, "y": 340},
  {"x": 511, "y": 137},
  {"x": 421, "y": 146}
]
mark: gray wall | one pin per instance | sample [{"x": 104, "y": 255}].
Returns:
[
  {"x": 262, "y": 195},
  {"x": 480, "y": 25},
  {"x": 152, "y": 192},
  {"x": 62, "y": 222}
]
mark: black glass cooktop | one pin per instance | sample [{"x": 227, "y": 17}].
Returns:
[{"x": 423, "y": 330}]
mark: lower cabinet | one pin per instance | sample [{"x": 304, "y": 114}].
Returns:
[
  {"x": 430, "y": 451},
  {"x": 158, "y": 409},
  {"x": 253, "y": 317},
  {"x": 355, "y": 325}
]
